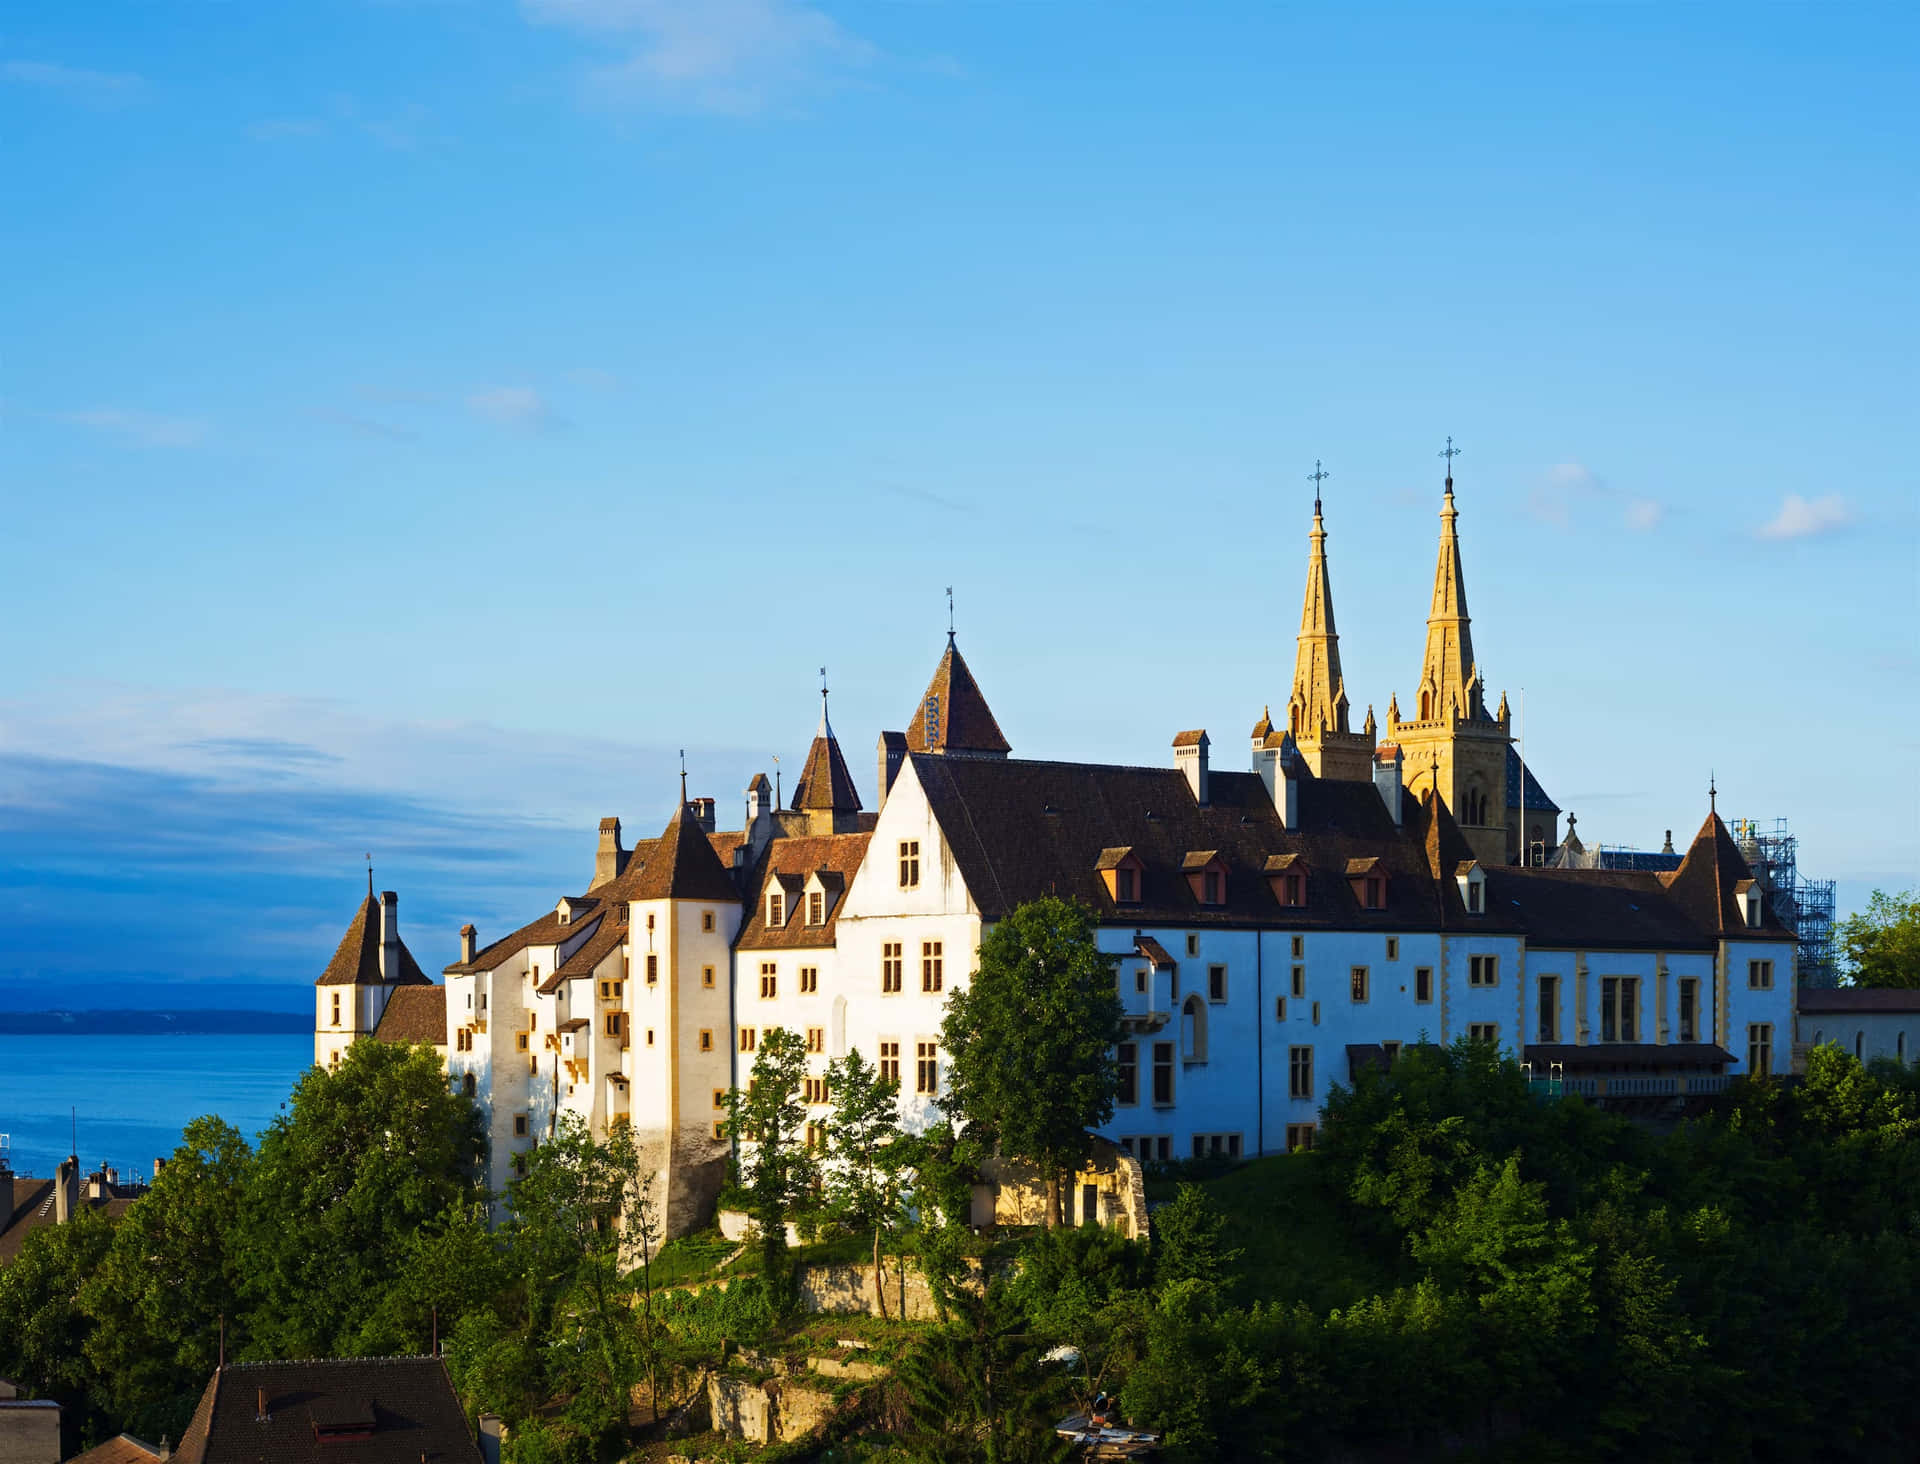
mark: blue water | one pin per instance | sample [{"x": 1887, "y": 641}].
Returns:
[{"x": 133, "y": 1095}]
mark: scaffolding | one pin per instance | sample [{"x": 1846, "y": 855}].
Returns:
[{"x": 1804, "y": 906}]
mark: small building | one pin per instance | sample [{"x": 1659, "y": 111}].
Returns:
[
  {"x": 29, "y": 1428},
  {"x": 1867, "y": 1021},
  {"x": 369, "y": 968},
  {"x": 375, "y": 1410}
]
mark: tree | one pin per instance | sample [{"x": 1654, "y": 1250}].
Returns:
[
  {"x": 1031, "y": 1040},
  {"x": 1882, "y": 942},
  {"x": 170, "y": 1279},
  {"x": 774, "y": 1165},
  {"x": 43, "y": 1328},
  {"x": 869, "y": 1159},
  {"x": 1189, "y": 1240},
  {"x": 366, "y": 1154},
  {"x": 979, "y": 1389}
]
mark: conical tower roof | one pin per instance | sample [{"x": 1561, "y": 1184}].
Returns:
[
  {"x": 825, "y": 785},
  {"x": 683, "y": 865},
  {"x": 356, "y": 960},
  {"x": 953, "y": 716},
  {"x": 1706, "y": 883}
]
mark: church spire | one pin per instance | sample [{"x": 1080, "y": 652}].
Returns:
[
  {"x": 1319, "y": 700},
  {"x": 1447, "y": 673}
]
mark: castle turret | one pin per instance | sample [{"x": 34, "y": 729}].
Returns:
[{"x": 825, "y": 792}]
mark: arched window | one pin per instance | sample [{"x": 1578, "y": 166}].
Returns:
[
  {"x": 1859, "y": 1044},
  {"x": 1293, "y": 719},
  {"x": 1193, "y": 1030},
  {"x": 1426, "y": 706},
  {"x": 1816, "y": 1036}
]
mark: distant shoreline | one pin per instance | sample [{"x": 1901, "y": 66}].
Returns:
[{"x": 127, "y": 1023}]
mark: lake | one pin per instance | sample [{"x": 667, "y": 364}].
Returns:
[{"x": 133, "y": 1095}]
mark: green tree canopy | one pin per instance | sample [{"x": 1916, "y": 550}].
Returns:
[
  {"x": 1881, "y": 944},
  {"x": 869, "y": 1160},
  {"x": 1030, "y": 1040},
  {"x": 775, "y": 1167}
]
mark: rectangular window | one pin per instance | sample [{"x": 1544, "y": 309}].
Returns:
[
  {"x": 1123, "y": 886},
  {"x": 769, "y": 980},
  {"x": 890, "y": 1061},
  {"x": 1279, "y": 1009},
  {"x": 816, "y": 1039},
  {"x": 931, "y": 965},
  {"x": 533, "y": 1021},
  {"x": 1296, "y": 888},
  {"x": 809, "y": 980},
  {"x": 1359, "y": 983},
  {"x": 892, "y": 964},
  {"x": 1216, "y": 983},
  {"x": 1689, "y": 1009},
  {"x": 719, "y": 1097},
  {"x": 1140, "y": 979},
  {"x": 1549, "y": 1007},
  {"x": 614, "y": 1020},
  {"x": 1299, "y": 981},
  {"x": 1759, "y": 1049},
  {"x": 1483, "y": 1031},
  {"x": 1316, "y": 1014},
  {"x": 719, "y": 1128},
  {"x": 909, "y": 864},
  {"x": 706, "y": 1039},
  {"x": 776, "y": 908},
  {"x": 746, "y": 1039},
  {"x": 1619, "y": 1014},
  {"x": 1760, "y": 975},
  {"x": 653, "y": 970},
  {"x": 816, "y": 908},
  {"x": 1483, "y": 970},
  {"x": 649, "y": 1036},
  {"x": 706, "y": 977},
  {"x": 814, "y": 1090},
  {"x": 1162, "y": 1074},
  {"x": 1127, "y": 1090},
  {"x": 926, "y": 1068},
  {"x": 519, "y": 1125},
  {"x": 1423, "y": 983},
  {"x": 1476, "y": 897},
  {"x": 1193, "y": 945},
  {"x": 1300, "y": 1072},
  {"x": 336, "y": 1009},
  {"x": 1299, "y": 1136},
  {"x": 1375, "y": 893},
  {"x": 521, "y": 1040},
  {"x": 1210, "y": 884},
  {"x": 816, "y": 1136},
  {"x": 706, "y": 920},
  {"x": 1393, "y": 948},
  {"x": 1299, "y": 948},
  {"x": 1392, "y": 1050}
]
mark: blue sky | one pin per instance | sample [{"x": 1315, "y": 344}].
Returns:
[{"x": 418, "y": 421}]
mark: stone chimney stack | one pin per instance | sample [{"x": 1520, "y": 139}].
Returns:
[
  {"x": 1190, "y": 756},
  {"x": 389, "y": 936},
  {"x": 66, "y": 1190},
  {"x": 469, "y": 939},
  {"x": 703, "y": 814},
  {"x": 1387, "y": 764},
  {"x": 893, "y": 752},
  {"x": 759, "y": 814},
  {"x": 610, "y": 856}
]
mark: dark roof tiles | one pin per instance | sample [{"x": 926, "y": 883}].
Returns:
[
  {"x": 382, "y": 1410},
  {"x": 414, "y": 1014},
  {"x": 953, "y": 716}
]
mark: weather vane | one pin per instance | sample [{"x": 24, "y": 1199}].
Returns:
[{"x": 949, "y": 612}]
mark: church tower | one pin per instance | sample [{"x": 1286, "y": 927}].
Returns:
[
  {"x": 1317, "y": 711},
  {"x": 1452, "y": 743}
]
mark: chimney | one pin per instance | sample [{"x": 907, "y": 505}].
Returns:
[
  {"x": 158, "y": 1165},
  {"x": 1666, "y": 848},
  {"x": 1386, "y": 777},
  {"x": 166, "y": 1450},
  {"x": 1190, "y": 756},
  {"x": 703, "y": 814},
  {"x": 609, "y": 858},
  {"x": 389, "y": 936},
  {"x": 893, "y": 752},
  {"x": 1287, "y": 800},
  {"x": 759, "y": 813},
  {"x": 262, "y": 1415},
  {"x": 66, "y": 1190},
  {"x": 469, "y": 939}
]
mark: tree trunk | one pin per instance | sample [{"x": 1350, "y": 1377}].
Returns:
[
  {"x": 879, "y": 1279},
  {"x": 1053, "y": 1195}
]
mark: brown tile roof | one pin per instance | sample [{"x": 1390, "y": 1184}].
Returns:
[
  {"x": 379, "y": 1410},
  {"x": 1601, "y": 908},
  {"x": 33, "y": 1209},
  {"x": 605, "y": 940},
  {"x": 1192, "y": 738},
  {"x": 1848, "y": 999},
  {"x": 1611, "y": 1055},
  {"x": 787, "y": 863},
  {"x": 1147, "y": 946},
  {"x": 683, "y": 866},
  {"x": 1704, "y": 886},
  {"x": 414, "y": 1014},
  {"x": 995, "y": 815},
  {"x": 825, "y": 784},
  {"x": 953, "y": 715},
  {"x": 121, "y": 1449},
  {"x": 357, "y": 958}
]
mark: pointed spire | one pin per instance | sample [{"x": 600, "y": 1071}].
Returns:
[
  {"x": 1447, "y": 671},
  {"x": 683, "y": 865},
  {"x": 1318, "y": 699},
  {"x": 953, "y": 717},
  {"x": 825, "y": 786}
]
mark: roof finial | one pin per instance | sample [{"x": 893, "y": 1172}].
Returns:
[
  {"x": 369, "y": 876},
  {"x": 683, "y": 777},
  {"x": 1450, "y": 454},
  {"x": 1713, "y": 793},
  {"x": 776, "y": 778},
  {"x": 949, "y": 614},
  {"x": 1318, "y": 476}
]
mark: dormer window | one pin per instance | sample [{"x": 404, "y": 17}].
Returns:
[
  {"x": 1287, "y": 878},
  {"x": 1206, "y": 874},
  {"x": 1472, "y": 880},
  {"x": 816, "y": 908},
  {"x": 1369, "y": 883},
  {"x": 776, "y": 909},
  {"x": 1752, "y": 909},
  {"x": 1123, "y": 875}
]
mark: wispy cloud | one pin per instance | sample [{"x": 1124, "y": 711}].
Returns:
[
  {"x": 95, "y": 88},
  {"x": 1567, "y": 488},
  {"x": 511, "y": 406},
  {"x": 149, "y": 429},
  {"x": 1644, "y": 514},
  {"x": 1802, "y": 518},
  {"x": 729, "y": 57}
]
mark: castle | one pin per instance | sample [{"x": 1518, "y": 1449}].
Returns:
[{"x": 1275, "y": 929}]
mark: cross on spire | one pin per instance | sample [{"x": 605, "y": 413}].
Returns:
[
  {"x": 949, "y": 613},
  {"x": 1450, "y": 454},
  {"x": 1713, "y": 794},
  {"x": 683, "y": 777},
  {"x": 369, "y": 876},
  {"x": 1318, "y": 476}
]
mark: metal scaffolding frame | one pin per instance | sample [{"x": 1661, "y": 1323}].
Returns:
[{"x": 1804, "y": 906}]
